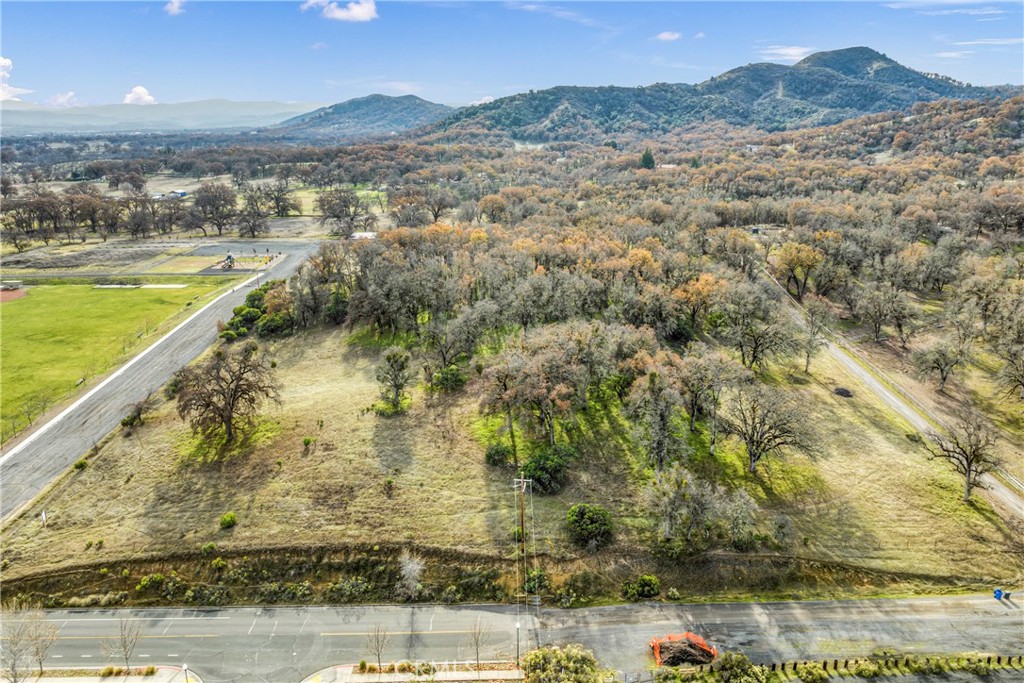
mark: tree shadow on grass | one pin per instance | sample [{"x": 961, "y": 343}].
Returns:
[
  {"x": 209, "y": 478},
  {"x": 203, "y": 450},
  {"x": 392, "y": 440}
]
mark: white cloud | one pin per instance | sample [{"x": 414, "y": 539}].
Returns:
[
  {"x": 698, "y": 35},
  {"x": 483, "y": 100},
  {"x": 925, "y": 5},
  {"x": 958, "y": 54},
  {"x": 668, "y": 35},
  {"x": 785, "y": 53},
  {"x": 560, "y": 13},
  {"x": 7, "y": 91},
  {"x": 63, "y": 99},
  {"x": 174, "y": 7},
  {"x": 318, "y": 46},
  {"x": 357, "y": 10},
  {"x": 969, "y": 11},
  {"x": 138, "y": 95},
  {"x": 992, "y": 41}
]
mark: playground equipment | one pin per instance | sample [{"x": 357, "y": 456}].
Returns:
[{"x": 682, "y": 648}]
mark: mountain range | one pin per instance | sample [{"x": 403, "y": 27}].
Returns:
[{"x": 824, "y": 88}]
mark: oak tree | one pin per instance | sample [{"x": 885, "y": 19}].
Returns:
[{"x": 227, "y": 389}]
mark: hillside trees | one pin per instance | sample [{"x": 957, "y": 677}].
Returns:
[
  {"x": 654, "y": 405},
  {"x": 345, "y": 212},
  {"x": 257, "y": 207},
  {"x": 282, "y": 198},
  {"x": 755, "y": 325},
  {"x": 705, "y": 374},
  {"x": 818, "y": 321},
  {"x": 796, "y": 262}
]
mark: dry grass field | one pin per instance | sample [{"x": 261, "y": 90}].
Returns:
[{"x": 870, "y": 501}]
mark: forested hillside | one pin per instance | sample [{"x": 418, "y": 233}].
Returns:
[{"x": 822, "y": 89}]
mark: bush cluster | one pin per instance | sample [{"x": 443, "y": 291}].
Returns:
[
  {"x": 350, "y": 590},
  {"x": 812, "y": 673},
  {"x": 448, "y": 379},
  {"x": 498, "y": 455},
  {"x": 642, "y": 588},
  {"x": 252, "y": 316},
  {"x": 549, "y": 468},
  {"x": 590, "y": 526},
  {"x": 537, "y": 581}
]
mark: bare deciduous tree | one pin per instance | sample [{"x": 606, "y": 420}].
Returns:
[
  {"x": 15, "y": 641},
  {"x": 42, "y": 634},
  {"x": 705, "y": 375},
  {"x": 479, "y": 636},
  {"x": 967, "y": 446},
  {"x": 411, "y": 569},
  {"x": 376, "y": 642},
  {"x": 941, "y": 358},
  {"x": 122, "y": 643},
  {"x": 817, "y": 322},
  {"x": 665, "y": 497}
]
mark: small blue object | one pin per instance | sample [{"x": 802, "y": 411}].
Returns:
[{"x": 998, "y": 594}]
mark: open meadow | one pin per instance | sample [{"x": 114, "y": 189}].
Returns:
[
  {"x": 58, "y": 337},
  {"x": 322, "y": 475}
]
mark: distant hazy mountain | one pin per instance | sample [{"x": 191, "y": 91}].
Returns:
[
  {"x": 824, "y": 88},
  {"x": 372, "y": 116},
  {"x": 20, "y": 118}
]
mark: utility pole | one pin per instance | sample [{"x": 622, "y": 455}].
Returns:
[
  {"x": 520, "y": 485},
  {"x": 520, "y": 493}
]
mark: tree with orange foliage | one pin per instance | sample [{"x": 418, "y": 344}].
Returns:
[{"x": 796, "y": 261}]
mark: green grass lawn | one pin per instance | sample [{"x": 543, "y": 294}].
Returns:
[{"x": 58, "y": 334}]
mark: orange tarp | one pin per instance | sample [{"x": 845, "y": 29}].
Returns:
[{"x": 691, "y": 637}]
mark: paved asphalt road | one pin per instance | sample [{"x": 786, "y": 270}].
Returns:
[
  {"x": 1007, "y": 497},
  {"x": 916, "y": 415},
  {"x": 27, "y": 467},
  {"x": 284, "y": 645}
]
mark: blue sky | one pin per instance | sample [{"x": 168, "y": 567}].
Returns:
[{"x": 68, "y": 53}]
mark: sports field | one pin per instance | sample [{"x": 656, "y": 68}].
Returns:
[{"x": 56, "y": 335}]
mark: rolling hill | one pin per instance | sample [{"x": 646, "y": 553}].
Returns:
[
  {"x": 824, "y": 88},
  {"x": 371, "y": 116}
]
